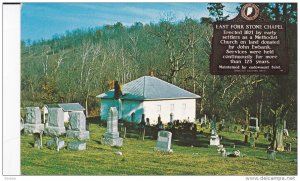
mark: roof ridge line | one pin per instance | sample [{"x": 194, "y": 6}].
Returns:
[{"x": 176, "y": 86}]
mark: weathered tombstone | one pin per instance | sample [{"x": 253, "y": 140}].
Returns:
[
  {"x": 33, "y": 122},
  {"x": 214, "y": 138},
  {"x": 76, "y": 145},
  {"x": 142, "y": 126},
  {"x": 55, "y": 143},
  {"x": 38, "y": 140},
  {"x": 253, "y": 124},
  {"x": 56, "y": 125},
  {"x": 159, "y": 123},
  {"x": 279, "y": 136},
  {"x": 163, "y": 143},
  {"x": 111, "y": 136},
  {"x": 78, "y": 126}
]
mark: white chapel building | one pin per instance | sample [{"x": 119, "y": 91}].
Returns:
[{"x": 152, "y": 97}]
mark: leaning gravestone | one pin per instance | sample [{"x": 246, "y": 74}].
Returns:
[
  {"x": 164, "y": 141},
  {"x": 111, "y": 136},
  {"x": 56, "y": 125},
  {"x": 33, "y": 123},
  {"x": 78, "y": 126}
]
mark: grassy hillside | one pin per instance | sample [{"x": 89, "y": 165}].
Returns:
[{"x": 139, "y": 158}]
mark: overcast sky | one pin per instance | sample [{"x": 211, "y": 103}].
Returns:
[{"x": 43, "y": 20}]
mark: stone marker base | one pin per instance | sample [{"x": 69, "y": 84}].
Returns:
[
  {"x": 112, "y": 141},
  {"x": 52, "y": 144},
  {"x": 82, "y": 135},
  {"x": 271, "y": 155},
  {"x": 76, "y": 145},
  {"x": 163, "y": 150},
  {"x": 214, "y": 140},
  {"x": 55, "y": 131},
  {"x": 33, "y": 128}
]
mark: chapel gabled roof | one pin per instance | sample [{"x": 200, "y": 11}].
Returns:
[{"x": 150, "y": 88}]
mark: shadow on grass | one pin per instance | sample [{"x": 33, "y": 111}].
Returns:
[{"x": 97, "y": 141}]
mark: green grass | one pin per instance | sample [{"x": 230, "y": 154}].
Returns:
[{"x": 139, "y": 158}]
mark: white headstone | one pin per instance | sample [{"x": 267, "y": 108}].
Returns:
[
  {"x": 164, "y": 141},
  {"x": 77, "y": 120},
  {"x": 56, "y": 125},
  {"x": 111, "y": 136},
  {"x": 112, "y": 123},
  {"x": 33, "y": 122},
  {"x": 56, "y": 117},
  {"x": 33, "y": 115},
  {"x": 78, "y": 126}
]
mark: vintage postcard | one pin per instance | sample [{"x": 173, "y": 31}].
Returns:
[{"x": 206, "y": 89}]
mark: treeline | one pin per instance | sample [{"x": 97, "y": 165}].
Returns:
[{"x": 77, "y": 66}]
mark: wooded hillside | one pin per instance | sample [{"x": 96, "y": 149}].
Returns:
[{"x": 77, "y": 66}]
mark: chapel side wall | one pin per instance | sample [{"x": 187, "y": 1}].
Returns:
[
  {"x": 182, "y": 109},
  {"x": 131, "y": 106},
  {"x": 106, "y": 104},
  {"x": 128, "y": 107}
]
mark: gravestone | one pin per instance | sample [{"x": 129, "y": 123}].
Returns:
[
  {"x": 214, "y": 138},
  {"x": 111, "y": 136},
  {"x": 76, "y": 145},
  {"x": 159, "y": 123},
  {"x": 163, "y": 143},
  {"x": 78, "y": 126},
  {"x": 56, "y": 143},
  {"x": 33, "y": 122},
  {"x": 56, "y": 125},
  {"x": 142, "y": 127},
  {"x": 253, "y": 124}
]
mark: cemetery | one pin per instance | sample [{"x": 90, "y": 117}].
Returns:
[
  {"x": 116, "y": 147},
  {"x": 164, "y": 96}
]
